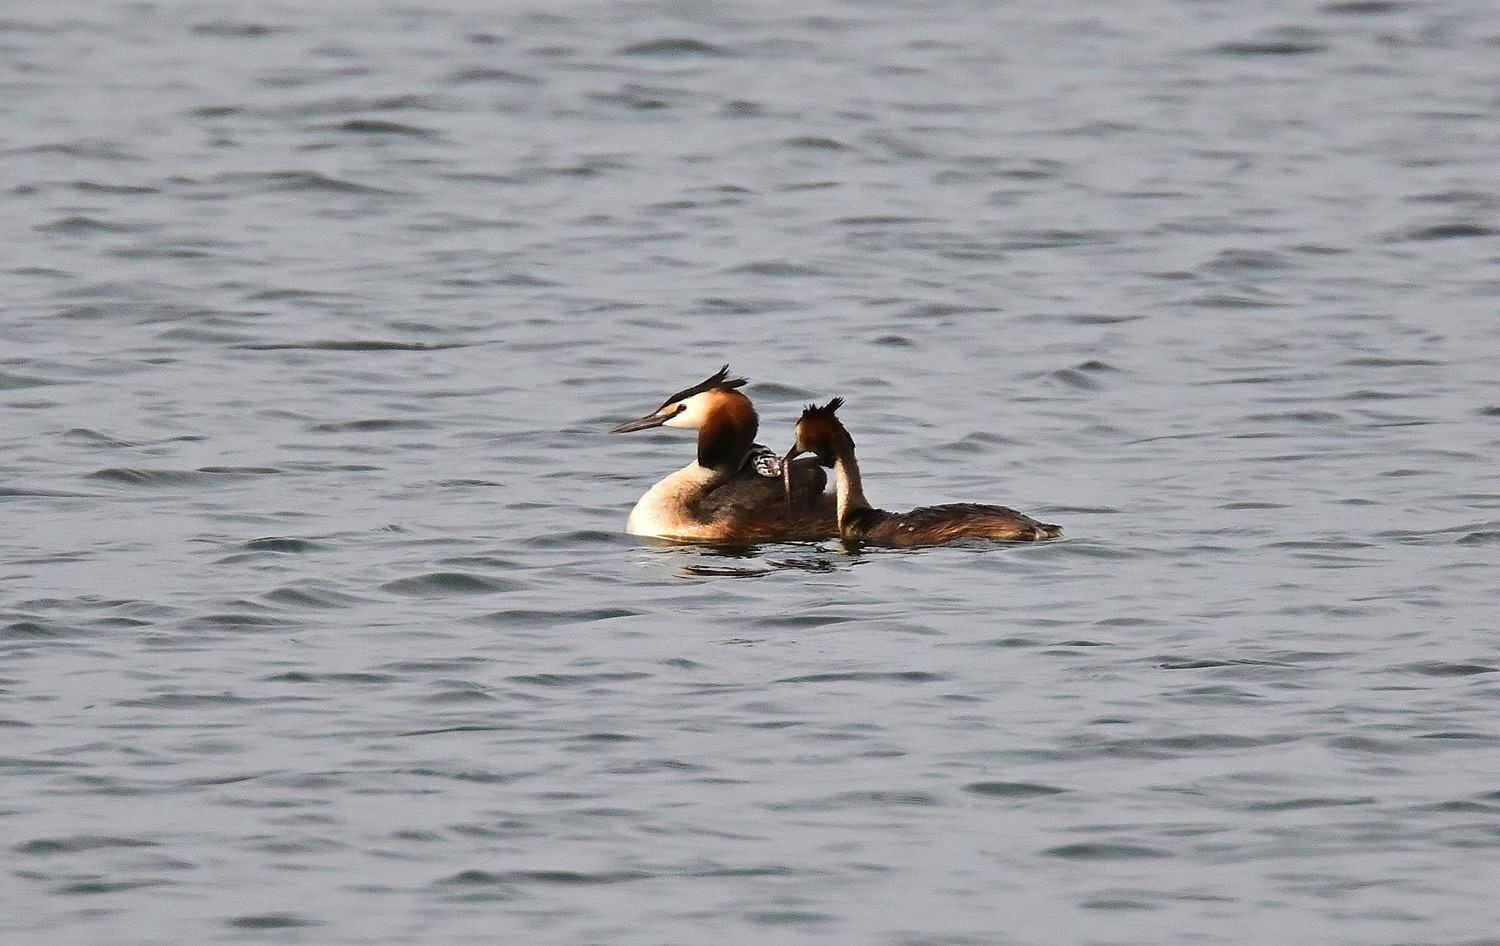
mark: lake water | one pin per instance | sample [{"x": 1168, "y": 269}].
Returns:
[{"x": 319, "y": 623}]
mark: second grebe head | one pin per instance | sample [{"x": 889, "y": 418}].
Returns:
[{"x": 819, "y": 432}]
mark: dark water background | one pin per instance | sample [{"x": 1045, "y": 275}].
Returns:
[{"x": 317, "y": 619}]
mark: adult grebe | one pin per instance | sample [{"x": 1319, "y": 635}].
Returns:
[
  {"x": 730, "y": 493},
  {"x": 820, "y": 433}
]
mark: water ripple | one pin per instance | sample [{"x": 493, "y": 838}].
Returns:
[
  {"x": 314, "y": 325},
  {"x": 441, "y": 584}
]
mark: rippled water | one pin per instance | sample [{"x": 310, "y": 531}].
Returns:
[{"x": 318, "y": 620}]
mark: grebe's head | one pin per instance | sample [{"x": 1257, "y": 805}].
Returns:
[
  {"x": 714, "y": 397},
  {"x": 819, "y": 431}
]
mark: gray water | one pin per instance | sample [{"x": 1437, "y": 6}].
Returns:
[{"x": 319, "y": 623}]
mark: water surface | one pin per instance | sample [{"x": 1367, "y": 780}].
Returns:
[{"x": 319, "y": 622}]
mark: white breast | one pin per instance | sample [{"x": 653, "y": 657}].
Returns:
[{"x": 663, "y": 512}]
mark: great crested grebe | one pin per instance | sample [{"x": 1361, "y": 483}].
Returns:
[
  {"x": 821, "y": 433},
  {"x": 737, "y": 490}
]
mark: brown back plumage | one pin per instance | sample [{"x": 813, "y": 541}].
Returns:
[{"x": 935, "y": 525}]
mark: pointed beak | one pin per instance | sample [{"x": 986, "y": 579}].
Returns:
[{"x": 644, "y": 423}]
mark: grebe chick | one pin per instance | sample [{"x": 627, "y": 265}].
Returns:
[
  {"x": 821, "y": 433},
  {"x": 726, "y": 495}
]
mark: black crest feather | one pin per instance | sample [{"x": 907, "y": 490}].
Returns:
[
  {"x": 830, "y": 407},
  {"x": 719, "y": 379}
]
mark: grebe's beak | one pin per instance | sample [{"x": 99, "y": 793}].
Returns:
[
  {"x": 786, "y": 473},
  {"x": 655, "y": 419}
]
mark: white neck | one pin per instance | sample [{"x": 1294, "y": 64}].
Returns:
[{"x": 851, "y": 495}]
